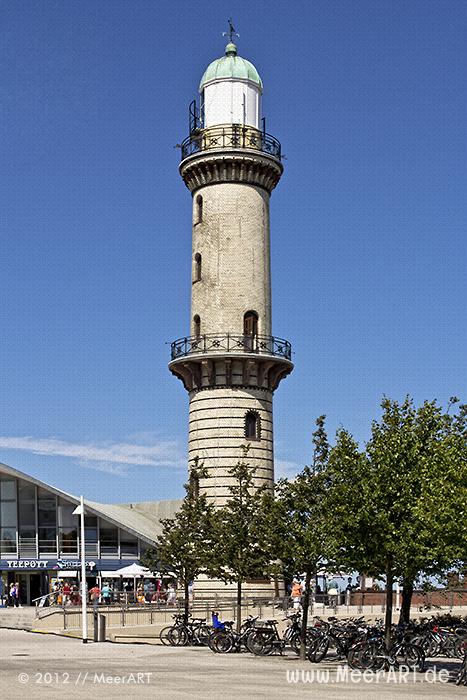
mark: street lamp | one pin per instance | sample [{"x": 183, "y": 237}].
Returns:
[{"x": 80, "y": 511}]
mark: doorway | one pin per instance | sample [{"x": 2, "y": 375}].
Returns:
[{"x": 31, "y": 586}]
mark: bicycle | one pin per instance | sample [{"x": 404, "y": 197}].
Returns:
[
  {"x": 373, "y": 654},
  {"x": 183, "y": 632},
  {"x": 265, "y": 640},
  {"x": 462, "y": 675},
  {"x": 223, "y": 641},
  {"x": 339, "y": 636},
  {"x": 442, "y": 641}
]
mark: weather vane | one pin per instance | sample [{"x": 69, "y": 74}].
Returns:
[{"x": 231, "y": 33}]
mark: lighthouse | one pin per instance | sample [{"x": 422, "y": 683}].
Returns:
[{"x": 230, "y": 362}]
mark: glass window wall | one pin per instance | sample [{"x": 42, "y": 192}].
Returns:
[
  {"x": 8, "y": 540},
  {"x": 8, "y": 490},
  {"x": 109, "y": 540},
  {"x": 128, "y": 544},
  {"x": 8, "y": 516}
]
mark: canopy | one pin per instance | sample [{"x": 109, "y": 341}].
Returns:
[{"x": 134, "y": 570}]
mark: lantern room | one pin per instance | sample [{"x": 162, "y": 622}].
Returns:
[{"x": 231, "y": 91}]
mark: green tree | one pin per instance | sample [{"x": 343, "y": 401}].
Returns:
[
  {"x": 396, "y": 500},
  {"x": 236, "y": 553},
  {"x": 296, "y": 525},
  {"x": 185, "y": 540}
]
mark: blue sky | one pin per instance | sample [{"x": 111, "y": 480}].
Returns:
[{"x": 368, "y": 223}]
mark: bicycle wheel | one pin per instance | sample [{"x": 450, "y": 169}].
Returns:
[
  {"x": 202, "y": 634},
  {"x": 294, "y": 640},
  {"x": 429, "y": 645},
  {"x": 366, "y": 655},
  {"x": 261, "y": 642},
  {"x": 178, "y": 636},
  {"x": 409, "y": 655},
  {"x": 247, "y": 637},
  {"x": 462, "y": 675},
  {"x": 318, "y": 649},
  {"x": 164, "y": 635},
  {"x": 211, "y": 644},
  {"x": 353, "y": 657},
  {"x": 221, "y": 642},
  {"x": 460, "y": 647}
]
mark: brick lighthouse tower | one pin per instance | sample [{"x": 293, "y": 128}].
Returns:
[{"x": 230, "y": 363}]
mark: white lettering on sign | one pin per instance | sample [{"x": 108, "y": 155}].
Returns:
[
  {"x": 28, "y": 564},
  {"x": 74, "y": 564}
]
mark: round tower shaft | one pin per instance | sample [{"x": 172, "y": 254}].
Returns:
[{"x": 230, "y": 363}]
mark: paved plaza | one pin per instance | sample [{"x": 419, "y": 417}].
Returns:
[{"x": 39, "y": 666}]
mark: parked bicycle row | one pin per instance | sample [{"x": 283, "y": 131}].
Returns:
[{"x": 358, "y": 642}]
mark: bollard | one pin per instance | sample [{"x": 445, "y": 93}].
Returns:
[
  {"x": 101, "y": 624},
  {"x": 96, "y": 632}
]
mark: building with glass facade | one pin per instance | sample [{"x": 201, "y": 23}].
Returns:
[{"x": 40, "y": 536}]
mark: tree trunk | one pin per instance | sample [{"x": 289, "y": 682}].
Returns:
[
  {"x": 187, "y": 601},
  {"x": 239, "y": 606},
  {"x": 407, "y": 593},
  {"x": 389, "y": 583},
  {"x": 305, "y": 606}
]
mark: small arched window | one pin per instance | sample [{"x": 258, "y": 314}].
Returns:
[
  {"x": 252, "y": 425},
  {"x": 199, "y": 209},
  {"x": 196, "y": 325},
  {"x": 250, "y": 331},
  {"x": 250, "y": 323},
  {"x": 197, "y": 270}
]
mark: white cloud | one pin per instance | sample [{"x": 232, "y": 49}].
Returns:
[
  {"x": 282, "y": 469},
  {"x": 112, "y": 458}
]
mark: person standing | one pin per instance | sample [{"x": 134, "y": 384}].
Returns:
[
  {"x": 296, "y": 594},
  {"x": 66, "y": 593},
  {"x": 14, "y": 594},
  {"x": 171, "y": 595},
  {"x": 106, "y": 594},
  {"x": 95, "y": 594}
]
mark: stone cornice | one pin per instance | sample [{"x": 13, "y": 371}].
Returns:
[
  {"x": 198, "y": 373},
  {"x": 243, "y": 166}
]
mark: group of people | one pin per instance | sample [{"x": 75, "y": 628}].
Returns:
[
  {"x": 155, "y": 592},
  {"x": 65, "y": 594},
  {"x": 146, "y": 592},
  {"x": 333, "y": 593}
]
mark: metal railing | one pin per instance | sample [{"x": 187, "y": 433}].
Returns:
[
  {"x": 47, "y": 546},
  {"x": 27, "y": 547},
  {"x": 226, "y": 343},
  {"x": 231, "y": 137}
]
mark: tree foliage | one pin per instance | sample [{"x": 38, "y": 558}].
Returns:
[
  {"x": 400, "y": 501},
  {"x": 185, "y": 540},
  {"x": 237, "y": 553},
  {"x": 296, "y": 522}
]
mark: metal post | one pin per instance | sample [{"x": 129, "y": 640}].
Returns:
[
  {"x": 84, "y": 597},
  {"x": 95, "y": 630},
  {"x": 101, "y": 623},
  {"x": 84, "y": 602}
]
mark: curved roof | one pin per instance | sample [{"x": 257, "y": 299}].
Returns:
[
  {"x": 231, "y": 66},
  {"x": 141, "y": 519}
]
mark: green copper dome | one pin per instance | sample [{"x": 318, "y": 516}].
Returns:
[{"x": 231, "y": 66}]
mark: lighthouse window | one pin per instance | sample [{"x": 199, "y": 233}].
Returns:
[
  {"x": 197, "y": 325},
  {"x": 197, "y": 275},
  {"x": 250, "y": 331},
  {"x": 199, "y": 209},
  {"x": 250, "y": 323},
  {"x": 253, "y": 425}
]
